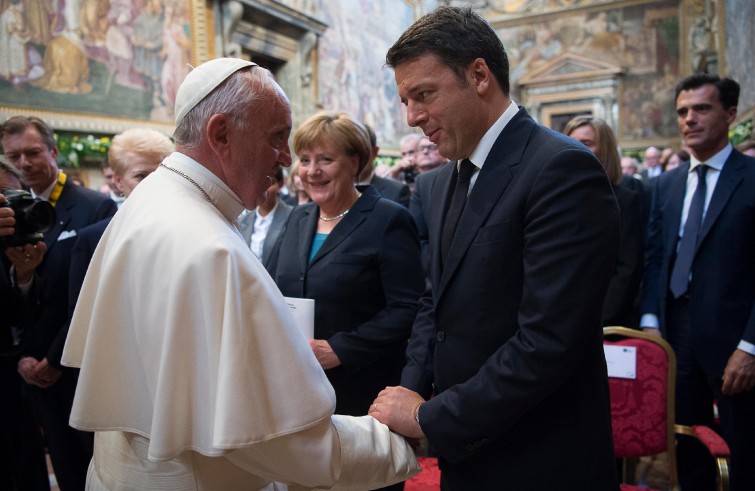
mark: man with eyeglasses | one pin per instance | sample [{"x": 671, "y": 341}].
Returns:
[
  {"x": 428, "y": 156},
  {"x": 428, "y": 159},
  {"x": 405, "y": 169}
]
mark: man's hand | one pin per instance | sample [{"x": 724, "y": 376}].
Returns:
[
  {"x": 7, "y": 219},
  {"x": 324, "y": 353},
  {"x": 396, "y": 407},
  {"x": 45, "y": 375},
  {"x": 39, "y": 373},
  {"x": 26, "y": 366},
  {"x": 400, "y": 166},
  {"x": 26, "y": 259},
  {"x": 739, "y": 374}
]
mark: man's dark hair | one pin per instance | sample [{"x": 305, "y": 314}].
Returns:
[
  {"x": 457, "y": 36},
  {"x": 19, "y": 124},
  {"x": 728, "y": 89}
]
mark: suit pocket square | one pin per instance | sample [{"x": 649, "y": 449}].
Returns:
[{"x": 67, "y": 235}]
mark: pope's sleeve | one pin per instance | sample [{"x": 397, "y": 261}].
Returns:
[{"x": 340, "y": 453}]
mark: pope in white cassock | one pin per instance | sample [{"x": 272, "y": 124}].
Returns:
[{"x": 193, "y": 372}]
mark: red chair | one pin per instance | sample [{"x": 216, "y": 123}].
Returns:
[{"x": 642, "y": 409}]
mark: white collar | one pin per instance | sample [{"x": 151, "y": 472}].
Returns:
[
  {"x": 221, "y": 195},
  {"x": 716, "y": 162},
  {"x": 481, "y": 151}
]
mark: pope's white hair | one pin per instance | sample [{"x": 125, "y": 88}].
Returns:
[{"x": 233, "y": 97}]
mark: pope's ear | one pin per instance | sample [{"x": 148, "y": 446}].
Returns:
[{"x": 217, "y": 134}]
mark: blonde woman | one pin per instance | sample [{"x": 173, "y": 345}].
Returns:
[{"x": 619, "y": 307}]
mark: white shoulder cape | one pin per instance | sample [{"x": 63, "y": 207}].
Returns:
[{"x": 180, "y": 333}]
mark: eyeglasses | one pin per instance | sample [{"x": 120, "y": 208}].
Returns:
[{"x": 427, "y": 148}]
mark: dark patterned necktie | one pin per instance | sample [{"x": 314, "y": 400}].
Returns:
[
  {"x": 688, "y": 243},
  {"x": 458, "y": 200}
]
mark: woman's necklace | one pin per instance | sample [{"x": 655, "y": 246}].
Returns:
[
  {"x": 330, "y": 219},
  {"x": 340, "y": 215}
]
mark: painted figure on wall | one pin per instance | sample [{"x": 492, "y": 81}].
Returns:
[
  {"x": 122, "y": 58},
  {"x": 148, "y": 44},
  {"x": 176, "y": 53},
  {"x": 20, "y": 62}
]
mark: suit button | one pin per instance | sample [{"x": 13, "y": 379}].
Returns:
[
  {"x": 441, "y": 336},
  {"x": 301, "y": 277}
]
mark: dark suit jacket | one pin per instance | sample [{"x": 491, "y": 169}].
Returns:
[
  {"x": 515, "y": 319},
  {"x": 271, "y": 244},
  {"x": 418, "y": 206},
  {"x": 12, "y": 308},
  {"x": 722, "y": 290},
  {"x": 81, "y": 256},
  {"x": 366, "y": 280},
  {"x": 76, "y": 208},
  {"x": 392, "y": 190},
  {"x": 620, "y": 307}
]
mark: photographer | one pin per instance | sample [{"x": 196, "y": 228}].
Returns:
[
  {"x": 29, "y": 144},
  {"x": 405, "y": 170},
  {"x": 20, "y": 439}
]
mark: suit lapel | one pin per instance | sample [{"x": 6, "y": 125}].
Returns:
[
  {"x": 246, "y": 226},
  {"x": 307, "y": 228},
  {"x": 491, "y": 182},
  {"x": 357, "y": 214},
  {"x": 677, "y": 190},
  {"x": 273, "y": 232},
  {"x": 731, "y": 175},
  {"x": 63, "y": 208},
  {"x": 440, "y": 199}
]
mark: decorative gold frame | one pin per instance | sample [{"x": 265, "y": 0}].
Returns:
[{"x": 202, "y": 44}]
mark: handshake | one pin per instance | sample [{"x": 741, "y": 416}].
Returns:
[{"x": 398, "y": 408}]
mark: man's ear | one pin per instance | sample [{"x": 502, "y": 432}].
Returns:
[
  {"x": 480, "y": 75},
  {"x": 731, "y": 114},
  {"x": 217, "y": 134}
]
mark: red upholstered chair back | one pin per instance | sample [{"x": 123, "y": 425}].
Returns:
[
  {"x": 639, "y": 408},
  {"x": 642, "y": 409}
]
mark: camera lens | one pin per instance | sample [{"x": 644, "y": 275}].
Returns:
[{"x": 40, "y": 215}]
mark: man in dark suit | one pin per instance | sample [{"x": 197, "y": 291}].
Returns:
[
  {"x": 29, "y": 145},
  {"x": 22, "y": 453},
  {"x": 428, "y": 156},
  {"x": 264, "y": 227},
  {"x": 388, "y": 188},
  {"x": 419, "y": 206},
  {"x": 699, "y": 286},
  {"x": 510, "y": 336},
  {"x": 652, "y": 164}
]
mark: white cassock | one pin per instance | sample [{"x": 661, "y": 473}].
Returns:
[{"x": 194, "y": 374}]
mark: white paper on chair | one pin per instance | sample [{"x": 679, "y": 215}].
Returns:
[
  {"x": 621, "y": 361},
  {"x": 304, "y": 313}
]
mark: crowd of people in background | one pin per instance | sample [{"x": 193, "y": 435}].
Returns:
[{"x": 492, "y": 313}]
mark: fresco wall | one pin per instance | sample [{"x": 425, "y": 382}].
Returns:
[
  {"x": 119, "y": 58},
  {"x": 352, "y": 75}
]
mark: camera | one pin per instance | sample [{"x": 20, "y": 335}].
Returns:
[
  {"x": 33, "y": 217},
  {"x": 410, "y": 175}
]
